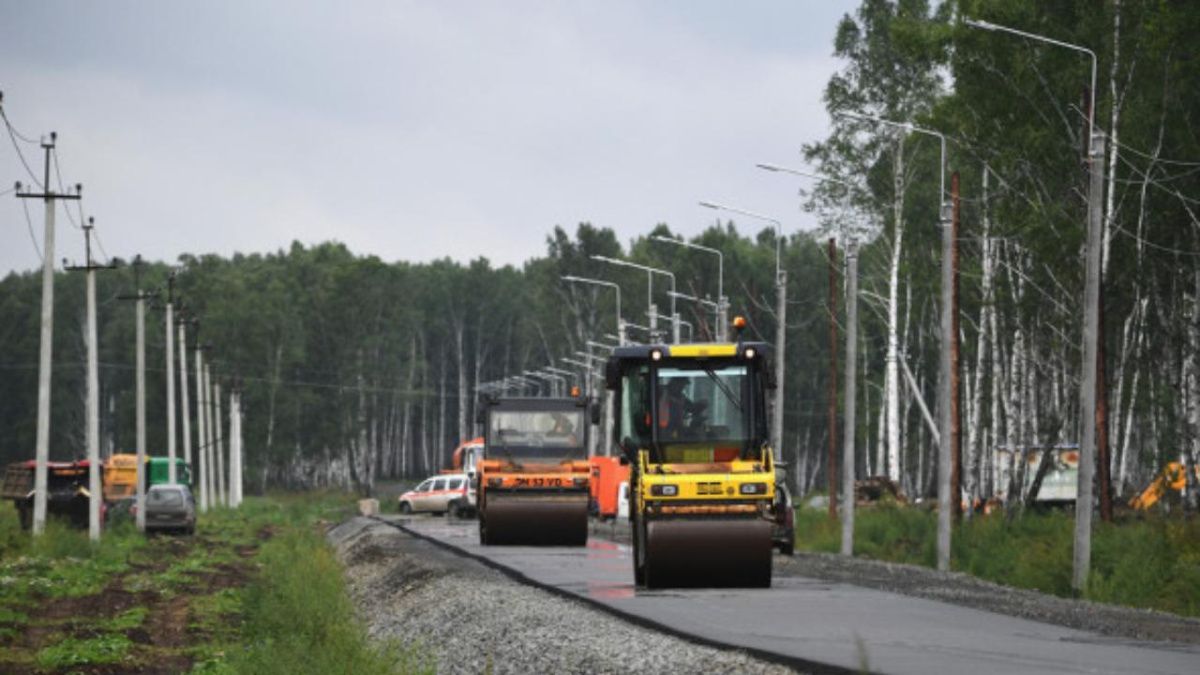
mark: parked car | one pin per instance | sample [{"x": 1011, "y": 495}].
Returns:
[
  {"x": 447, "y": 493},
  {"x": 170, "y": 508}
]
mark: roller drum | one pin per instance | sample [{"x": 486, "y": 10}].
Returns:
[
  {"x": 708, "y": 553},
  {"x": 535, "y": 520}
]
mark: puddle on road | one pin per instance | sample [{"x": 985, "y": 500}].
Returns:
[{"x": 608, "y": 591}]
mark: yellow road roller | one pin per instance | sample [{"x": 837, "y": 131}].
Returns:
[{"x": 691, "y": 421}]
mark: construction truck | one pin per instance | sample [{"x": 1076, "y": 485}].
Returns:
[
  {"x": 120, "y": 474},
  {"x": 691, "y": 421},
  {"x": 464, "y": 460},
  {"x": 67, "y": 492},
  {"x": 608, "y": 475},
  {"x": 1172, "y": 478},
  {"x": 532, "y": 482}
]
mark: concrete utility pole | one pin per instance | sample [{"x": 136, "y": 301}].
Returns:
[
  {"x": 848, "y": 392},
  {"x": 1087, "y": 387},
  {"x": 235, "y": 446},
  {"x": 169, "y": 334},
  {"x": 831, "y": 460},
  {"x": 95, "y": 491},
  {"x": 945, "y": 406},
  {"x": 140, "y": 298},
  {"x": 42, "y": 451},
  {"x": 1082, "y": 557},
  {"x": 955, "y": 366},
  {"x": 210, "y": 432},
  {"x": 185, "y": 407},
  {"x": 219, "y": 448},
  {"x": 201, "y": 427}
]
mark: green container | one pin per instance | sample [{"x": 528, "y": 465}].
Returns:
[{"x": 159, "y": 472}]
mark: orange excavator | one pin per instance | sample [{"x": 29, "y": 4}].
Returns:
[
  {"x": 533, "y": 480},
  {"x": 1173, "y": 477}
]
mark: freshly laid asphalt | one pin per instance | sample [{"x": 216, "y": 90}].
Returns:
[{"x": 817, "y": 625}]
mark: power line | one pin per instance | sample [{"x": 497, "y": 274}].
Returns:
[
  {"x": 29, "y": 226},
  {"x": 1176, "y": 162},
  {"x": 13, "y": 135},
  {"x": 100, "y": 244},
  {"x": 62, "y": 188}
]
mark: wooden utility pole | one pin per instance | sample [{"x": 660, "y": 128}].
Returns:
[
  {"x": 848, "y": 391},
  {"x": 955, "y": 367},
  {"x": 140, "y": 298},
  {"x": 42, "y": 449},
  {"x": 95, "y": 490},
  {"x": 831, "y": 461}
]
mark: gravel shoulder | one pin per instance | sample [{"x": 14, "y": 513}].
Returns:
[
  {"x": 968, "y": 591},
  {"x": 472, "y": 618}
]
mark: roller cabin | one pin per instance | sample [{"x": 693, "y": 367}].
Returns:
[{"x": 691, "y": 421}]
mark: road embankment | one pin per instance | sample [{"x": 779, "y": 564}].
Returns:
[{"x": 475, "y": 619}]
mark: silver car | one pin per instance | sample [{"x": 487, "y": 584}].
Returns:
[{"x": 170, "y": 508}]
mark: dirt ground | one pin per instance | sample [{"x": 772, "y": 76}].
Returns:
[{"x": 166, "y": 605}]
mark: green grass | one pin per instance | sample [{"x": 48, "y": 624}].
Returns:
[
  {"x": 1150, "y": 562},
  {"x": 110, "y": 648},
  {"x": 300, "y": 620},
  {"x": 290, "y": 615}
]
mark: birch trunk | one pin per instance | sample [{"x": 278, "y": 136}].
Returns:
[
  {"x": 1114, "y": 149},
  {"x": 462, "y": 381},
  {"x": 891, "y": 378},
  {"x": 975, "y": 448}
]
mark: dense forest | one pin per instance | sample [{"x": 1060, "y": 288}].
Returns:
[{"x": 355, "y": 369}]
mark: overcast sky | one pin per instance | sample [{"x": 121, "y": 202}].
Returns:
[{"x": 408, "y": 130}]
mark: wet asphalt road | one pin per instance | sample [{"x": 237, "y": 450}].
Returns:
[{"x": 814, "y": 624}]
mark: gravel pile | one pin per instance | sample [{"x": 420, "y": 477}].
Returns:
[
  {"x": 474, "y": 619},
  {"x": 968, "y": 591}
]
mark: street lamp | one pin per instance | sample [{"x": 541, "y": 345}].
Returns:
[
  {"x": 650, "y": 272},
  {"x": 911, "y": 128},
  {"x": 722, "y": 304},
  {"x": 778, "y": 226},
  {"x": 560, "y": 371},
  {"x": 717, "y": 307},
  {"x": 815, "y": 176},
  {"x": 1082, "y": 555},
  {"x": 997, "y": 28},
  {"x": 538, "y": 375},
  {"x": 780, "y": 327},
  {"x": 945, "y": 381},
  {"x": 607, "y": 284},
  {"x": 847, "y": 478}
]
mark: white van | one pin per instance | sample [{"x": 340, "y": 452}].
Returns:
[{"x": 444, "y": 493}]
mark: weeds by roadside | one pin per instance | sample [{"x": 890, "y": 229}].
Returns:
[
  {"x": 1150, "y": 562},
  {"x": 173, "y": 604}
]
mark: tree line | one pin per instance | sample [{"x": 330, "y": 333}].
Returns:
[{"x": 356, "y": 369}]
